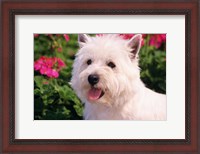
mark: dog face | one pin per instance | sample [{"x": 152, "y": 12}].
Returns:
[{"x": 105, "y": 68}]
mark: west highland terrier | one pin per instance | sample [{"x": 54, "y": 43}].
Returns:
[{"x": 106, "y": 77}]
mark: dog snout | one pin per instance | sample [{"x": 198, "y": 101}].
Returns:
[{"x": 93, "y": 79}]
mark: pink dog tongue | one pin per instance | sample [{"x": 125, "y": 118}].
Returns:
[{"x": 94, "y": 94}]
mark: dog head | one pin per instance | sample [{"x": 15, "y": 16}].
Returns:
[{"x": 105, "y": 68}]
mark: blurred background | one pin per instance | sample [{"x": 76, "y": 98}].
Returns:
[{"x": 54, "y": 54}]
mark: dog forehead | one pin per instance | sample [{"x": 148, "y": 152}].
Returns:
[{"x": 104, "y": 50}]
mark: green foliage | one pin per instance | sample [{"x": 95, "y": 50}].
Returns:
[
  {"x": 54, "y": 99},
  {"x": 153, "y": 66}
]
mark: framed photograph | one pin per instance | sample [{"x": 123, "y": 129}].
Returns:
[{"x": 116, "y": 76}]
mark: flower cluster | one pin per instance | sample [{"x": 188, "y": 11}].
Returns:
[
  {"x": 36, "y": 35},
  {"x": 49, "y": 66},
  {"x": 155, "y": 40},
  {"x": 66, "y": 37},
  {"x": 129, "y": 36}
]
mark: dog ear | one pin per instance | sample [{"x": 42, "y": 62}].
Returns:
[
  {"x": 82, "y": 39},
  {"x": 135, "y": 43}
]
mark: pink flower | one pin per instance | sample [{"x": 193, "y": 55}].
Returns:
[
  {"x": 36, "y": 35},
  {"x": 44, "y": 70},
  {"x": 53, "y": 74},
  {"x": 60, "y": 63},
  {"x": 37, "y": 65},
  {"x": 66, "y": 37},
  {"x": 49, "y": 62},
  {"x": 157, "y": 40},
  {"x": 49, "y": 66}
]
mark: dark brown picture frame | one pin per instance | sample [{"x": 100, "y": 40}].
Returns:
[{"x": 189, "y": 8}]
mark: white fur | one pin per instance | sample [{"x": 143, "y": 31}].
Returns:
[{"x": 125, "y": 96}]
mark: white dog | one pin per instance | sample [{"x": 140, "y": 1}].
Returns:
[{"x": 106, "y": 77}]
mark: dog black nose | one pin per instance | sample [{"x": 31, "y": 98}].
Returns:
[{"x": 93, "y": 79}]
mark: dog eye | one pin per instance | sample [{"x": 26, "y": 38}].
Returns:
[
  {"x": 111, "y": 65},
  {"x": 89, "y": 61}
]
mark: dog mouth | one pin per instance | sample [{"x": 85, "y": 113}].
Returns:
[{"x": 95, "y": 93}]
